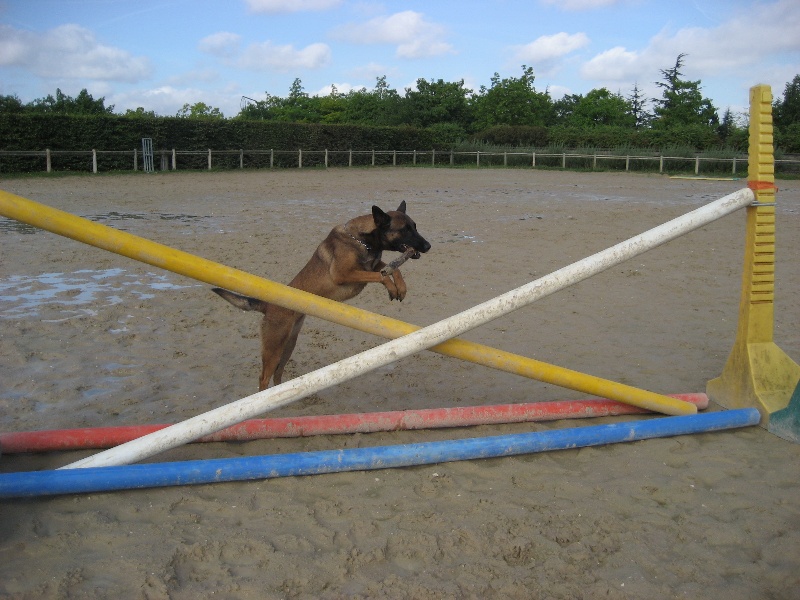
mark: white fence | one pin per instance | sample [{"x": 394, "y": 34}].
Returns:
[{"x": 194, "y": 159}]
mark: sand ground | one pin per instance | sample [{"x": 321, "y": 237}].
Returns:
[{"x": 88, "y": 338}]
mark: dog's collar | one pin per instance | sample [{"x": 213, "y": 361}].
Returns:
[
  {"x": 363, "y": 243},
  {"x": 367, "y": 246}
]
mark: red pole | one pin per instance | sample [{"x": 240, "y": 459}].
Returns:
[{"x": 431, "y": 418}]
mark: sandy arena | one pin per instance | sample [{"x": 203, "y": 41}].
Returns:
[{"x": 88, "y": 338}]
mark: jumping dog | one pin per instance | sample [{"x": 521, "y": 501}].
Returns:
[{"x": 342, "y": 265}]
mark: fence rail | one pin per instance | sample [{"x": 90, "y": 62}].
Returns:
[{"x": 89, "y": 160}]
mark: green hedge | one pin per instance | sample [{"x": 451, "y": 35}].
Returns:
[
  {"x": 66, "y": 132},
  {"x": 112, "y": 132}
]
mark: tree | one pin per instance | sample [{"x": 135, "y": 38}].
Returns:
[
  {"x": 297, "y": 107},
  {"x": 140, "y": 113},
  {"x": 598, "y": 108},
  {"x": 331, "y": 108},
  {"x": 379, "y": 106},
  {"x": 786, "y": 111},
  {"x": 728, "y": 125},
  {"x": 10, "y": 105},
  {"x": 512, "y": 101},
  {"x": 436, "y": 102},
  {"x": 564, "y": 108},
  {"x": 199, "y": 110},
  {"x": 682, "y": 103},
  {"x": 82, "y": 104},
  {"x": 638, "y": 104}
]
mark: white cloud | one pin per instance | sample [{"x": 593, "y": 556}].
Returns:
[
  {"x": 409, "y": 31},
  {"x": 167, "y": 100},
  {"x": 616, "y": 64},
  {"x": 223, "y": 44},
  {"x": 69, "y": 52},
  {"x": 288, "y": 6},
  {"x": 549, "y": 48},
  {"x": 729, "y": 48},
  {"x": 558, "y": 91},
  {"x": 267, "y": 56}
]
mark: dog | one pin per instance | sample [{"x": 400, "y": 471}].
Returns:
[{"x": 342, "y": 265}]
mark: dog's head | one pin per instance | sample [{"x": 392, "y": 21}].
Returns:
[{"x": 397, "y": 231}]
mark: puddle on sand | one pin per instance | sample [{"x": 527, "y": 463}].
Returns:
[
  {"x": 13, "y": 226},
  {"x": 117, "y": 216},
  {"x": 78, "y": 293}
]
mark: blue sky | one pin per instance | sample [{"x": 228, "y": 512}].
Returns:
[{"x": 160, "y": 55}]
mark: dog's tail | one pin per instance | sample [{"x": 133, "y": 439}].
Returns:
[{"x": 243, "y": 302}]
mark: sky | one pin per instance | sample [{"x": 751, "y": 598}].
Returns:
[{"x": 160, "y": 55}]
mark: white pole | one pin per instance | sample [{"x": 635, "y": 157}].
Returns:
[{"x": 349, "y": 368}]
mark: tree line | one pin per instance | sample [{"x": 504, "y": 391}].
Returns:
[{"x": 510, "y": 111}]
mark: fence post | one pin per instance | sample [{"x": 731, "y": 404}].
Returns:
[
  {"x": 209, "y": 159},
  {"x": 533, "y": 159},
  {"x": 478, "y": 159},
  {"x": 433, "y": 157},
  {"x": 394, "y": 158},
  {"x": 94, "y": 160},
  {"x": 174, "y": 160},
  {"x": 299, "y": 158},
  {"x": 564, "y": 160},
  {"x": 734, "y": 166},
  {"x": 594, "y": 162},
  {"x": 48, "y": 160},
  {"x": 451, "y": 158},
  {"x": 350, "y": 158},
  {"x": 661, "y": 163},
  {"x": 326, "y": 158},
  {"x": 415, "y": 158},
  {"x": 241, "y": 158},
  {"x": 135, "y": 159},
  {"x": 271, "y": 158},
  {"x": 627, "y": 163}
]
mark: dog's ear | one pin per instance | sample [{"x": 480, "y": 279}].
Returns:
[
  {"x": 402, "y": 207},
  {"x": 382, "y": 220}
]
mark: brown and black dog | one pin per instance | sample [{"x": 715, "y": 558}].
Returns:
[{"x": 343, "y": 264}]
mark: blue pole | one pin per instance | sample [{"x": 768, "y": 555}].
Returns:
[{"x": 101, "y": 479}]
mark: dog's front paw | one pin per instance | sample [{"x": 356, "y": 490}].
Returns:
[
  {"x": 401, "y": 290},
  {"x": 391, "y": 288}
]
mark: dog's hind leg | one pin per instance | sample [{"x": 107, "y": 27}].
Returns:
[
  {"x": 277, "y": 336},
  {"x": 287, "y": 350}
]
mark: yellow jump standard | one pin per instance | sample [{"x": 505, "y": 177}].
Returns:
[{"x": 758, "y": 373}]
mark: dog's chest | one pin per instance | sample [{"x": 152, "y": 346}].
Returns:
[{"x": 371, "y": 261}]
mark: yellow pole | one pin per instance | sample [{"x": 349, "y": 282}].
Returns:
[
  {"x": 183, "y": 263},
  {"x": 758, "y": 373}
]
